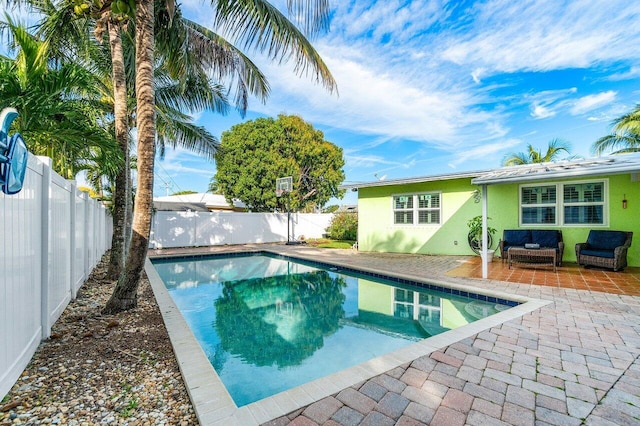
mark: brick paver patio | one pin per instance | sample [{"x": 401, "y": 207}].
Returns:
[{"x": 572, "y": 362}]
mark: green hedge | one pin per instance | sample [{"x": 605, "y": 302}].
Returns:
[{"x": 344, "y": 226}]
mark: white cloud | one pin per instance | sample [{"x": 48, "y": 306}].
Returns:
[
  {"x": 378, "y": 98},
  {"x": 548, "y": 103},
  {"x": 403, "y": 70},
  {"x": 591, "y": 102},
  {"x": 507, "y": 36},
  {"x": 476, "y": 74},
  {"x": 630, "y": 74},
  {"x": 483, "y": 154},
  {"x": 540, "y": 111}
]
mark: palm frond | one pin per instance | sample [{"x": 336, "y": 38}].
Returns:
[
  {"x": 185, "y": 134},
  {"x": 258, "y": 24},
  {"x": 616, "y": 144}
]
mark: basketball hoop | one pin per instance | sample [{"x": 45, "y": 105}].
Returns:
[{"x": 279, "y": 193}]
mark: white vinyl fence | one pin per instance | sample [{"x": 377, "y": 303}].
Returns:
[
  {"x": 51, "y": 237},
  {"x": 195, "y": 229}
]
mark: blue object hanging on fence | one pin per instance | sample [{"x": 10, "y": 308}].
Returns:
[{"x": 13, "y": 155}]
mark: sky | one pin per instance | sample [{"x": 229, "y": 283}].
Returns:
[{"x": 435, "y": 87}]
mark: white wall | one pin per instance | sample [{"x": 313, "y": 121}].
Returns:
[
  {"x": 193, "y": 229},
  {"x": 51, "y": 237}
]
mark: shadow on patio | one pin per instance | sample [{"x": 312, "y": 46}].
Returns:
[{"x": 569, "y": 275}]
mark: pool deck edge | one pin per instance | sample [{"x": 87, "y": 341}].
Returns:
[{"x": 213, "y": 404}]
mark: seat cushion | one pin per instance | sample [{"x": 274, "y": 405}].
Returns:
[
  {"x": 597, "y": 253},
  {"x": 606, "y": 240},
  {"x": 545, "y": 238},
  {"x": 517, "y": 237}
]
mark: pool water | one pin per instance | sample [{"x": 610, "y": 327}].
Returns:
[{"x": 269, "y": 324}]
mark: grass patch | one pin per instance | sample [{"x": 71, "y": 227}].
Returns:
[{"x": 328, "y": 243}]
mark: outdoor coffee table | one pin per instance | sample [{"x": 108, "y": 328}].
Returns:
[{"x": 545, "y": 257}]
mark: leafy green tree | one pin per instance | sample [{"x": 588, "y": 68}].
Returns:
[
  {"x": 250, "y": 330},
  {"x": 625, "y": 137},
  {"x": 254, "y": 154},
  {"x": 555, "y": 148}
]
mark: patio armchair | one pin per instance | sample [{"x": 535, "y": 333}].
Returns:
[
  {"x": 522, "y": 238},
  {"x": 604, "y": 249}
]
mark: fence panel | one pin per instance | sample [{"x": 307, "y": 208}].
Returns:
[
  {"x": 90, "y": 236},
  {"x": 39, "y": 273},
  {"x": 59, "y": 247},
  {"x": 194, "y": 229},
  {"x": 79, "y": 273},
  {"x": 20, "y": 322},
  {"x": 175, "y": 229}
]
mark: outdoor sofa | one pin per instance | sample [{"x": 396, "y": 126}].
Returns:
[
  {"x": 522, "y": 238},
  {"x": 604, "y": 249}
]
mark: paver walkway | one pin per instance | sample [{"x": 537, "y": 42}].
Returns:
[{"x": 572, "y": 362}]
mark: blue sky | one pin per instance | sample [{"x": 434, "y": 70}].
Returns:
[{"x": 430, "y": 87}]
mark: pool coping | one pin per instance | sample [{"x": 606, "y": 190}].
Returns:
[{"x": 214, "y": 406}]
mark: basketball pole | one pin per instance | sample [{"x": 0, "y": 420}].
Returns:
[{"x": 284, "y": 185}]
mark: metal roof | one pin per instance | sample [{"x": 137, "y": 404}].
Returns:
[
  {"x": 420, "y": 179},
  {"x": 610, "y": 165}
]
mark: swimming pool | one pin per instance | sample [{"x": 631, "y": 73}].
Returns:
[{"x": 268, "y": 324}]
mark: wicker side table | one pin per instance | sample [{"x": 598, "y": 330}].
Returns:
[{"x": 545, "y": 257}]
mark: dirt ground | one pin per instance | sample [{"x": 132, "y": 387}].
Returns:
[{"x": 102, "y": 369}]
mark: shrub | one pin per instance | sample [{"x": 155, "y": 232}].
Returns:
[{"x": 344, "y": 226}]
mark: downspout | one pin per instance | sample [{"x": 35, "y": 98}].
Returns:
[{"x": 483, "y": 257}]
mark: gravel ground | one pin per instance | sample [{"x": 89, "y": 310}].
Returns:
[{"x": 102, "y": 369}]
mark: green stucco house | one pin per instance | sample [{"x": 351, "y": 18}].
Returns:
[{"x": 429, "y": 214}]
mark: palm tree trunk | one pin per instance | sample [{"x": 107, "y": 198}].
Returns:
[
  {"x": 121, "y": 192},
  {"x": 125, "y": 295},
  {"x": 129, "y": 224}
]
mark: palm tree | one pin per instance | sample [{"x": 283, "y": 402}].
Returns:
[
  {"x": 556, "y": 146},
  {"x": 257, "y": 23},
  {"x": 185, "y": 51},
  {"x": 625, "y": 137},
  {"x": 58, "y": 110},
  {"x": 68, "y": 35}
]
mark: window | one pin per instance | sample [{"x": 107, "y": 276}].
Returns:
[
  {"x": 576, "y": 203},
  {"x": 584, "y": 203},
  {"x": 539, "y": 204},
  {"x": 416, "y": 209},
  {"x": 411, "y": 305}
]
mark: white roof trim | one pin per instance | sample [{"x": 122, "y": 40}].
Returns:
[
  {"x": 615, "y": 164},
  {"x": 420, "y": 179}
]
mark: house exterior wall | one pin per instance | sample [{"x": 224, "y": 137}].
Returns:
[
  {"x": 376, "y": 231},
  {"x": 503, "y": 209}
]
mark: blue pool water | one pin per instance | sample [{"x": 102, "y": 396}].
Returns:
[{"x": 268, "y": 324}]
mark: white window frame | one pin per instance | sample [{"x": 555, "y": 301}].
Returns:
[
  {"x": 560, "y": 204},
  {"x": 431, "y": 310},
  {"x": 415, "y": 209}
]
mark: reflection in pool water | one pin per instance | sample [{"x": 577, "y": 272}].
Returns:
[{"x": 268, "y": 324}]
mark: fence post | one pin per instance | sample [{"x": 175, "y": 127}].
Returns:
[
  {"x": 85, "y": 232},
  {"x": 72, "y": 237},
  {"x": 44, "y": 247}
]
